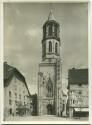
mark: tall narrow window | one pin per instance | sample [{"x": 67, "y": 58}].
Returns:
[
  {"x": 15, "y": 95},
  {"x": 53, "y": 28},
  {"x": 50, "y": 46},
  {"x": 49, "y": 88},
  {"x": 47, "y": 30},
  {"x": 19, "y": 96},
  {"x": 50, "y": 30},
  {"x": 56, "y": 48},
  {"x": 10, "y": 111},
  {"x": 10, "y": 102},
  {"x": 9, "y": 93},
  {"x": 44, "y": 48}
]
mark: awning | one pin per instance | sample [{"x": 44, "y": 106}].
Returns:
[{"x": 81, "y": 109}]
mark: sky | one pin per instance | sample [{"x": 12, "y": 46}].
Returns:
[{"x": 23, "y": 24}]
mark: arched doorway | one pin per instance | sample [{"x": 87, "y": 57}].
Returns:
[{"x": 50, "y": 109}]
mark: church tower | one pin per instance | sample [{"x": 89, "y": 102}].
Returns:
[
  {"x": 49, "y": 75},
  {"x": 51, "y": 39}
]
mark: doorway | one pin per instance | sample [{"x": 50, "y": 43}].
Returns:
[
  {"x": 50, "y": 109},
  {"x": 10, "y": 111}
]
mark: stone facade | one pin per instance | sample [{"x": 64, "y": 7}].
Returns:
[
  {"x": 64, "y": 100},
  {"x": 49, "y": 75}
]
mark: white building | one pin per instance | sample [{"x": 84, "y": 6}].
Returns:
[
  {"x": 78, "y": 92},
  {"x": 16, "y": 93},
  {"x": 49, "y": 75}
]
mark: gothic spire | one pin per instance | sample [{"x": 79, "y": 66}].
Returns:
[{"x": 51, "y": 16}]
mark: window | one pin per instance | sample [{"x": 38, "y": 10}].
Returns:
[
  {"x": 10, "y": 102},
  {"x": 15, "y": 95},
  {"x": 80, "y": 84},
  {"x": 49, "y": 88},
  {"x": 63, "y": 101},
  {"x": 73, "y": 101},
  {"x": 15, "y": 102},
  {"x": 43, "y": 82},
  {"x": 19, "y": 96},
  {"x": 47, "y": 30},
  {"x": 50, "y": 30},
  {"x": 10, "y": 111},
  {"x": 50, "y": 46},
  {"x": 56, "y": 48},
  {"x": 80, "y": 92},
  {"x": 43, "y": 49},
  {"x": 53, "y": 29},
  {"x": 9, "y": 93}
]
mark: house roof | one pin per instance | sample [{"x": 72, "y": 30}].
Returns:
[
  {"x": 9, "y": 72},
  {"x": 76, "y": 76}
]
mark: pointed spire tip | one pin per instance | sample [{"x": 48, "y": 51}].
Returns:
[{"x": 51, "y": 16}]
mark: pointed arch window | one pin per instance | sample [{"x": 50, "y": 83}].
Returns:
[
  {"x": 53, "y": 28},
  {"x": 43, "y": 49},
  {"x": 47, "y": 30},
  {"x": 50, "y": 46},
  {"x": 56, "y": 48},
  {"x": 49, "y": 88},
  {"x": 50, "y": 30}
]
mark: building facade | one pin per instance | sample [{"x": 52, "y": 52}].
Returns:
[
  {"x": 49, "y": 75},
  {"x": 78, "y": 92},
  {"x": 64, "y": 100},
  {"x": 16, "y": 93},
  {"x": 34, "y": 104}
]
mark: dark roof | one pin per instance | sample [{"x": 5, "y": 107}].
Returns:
[
  {"x": 9, "y": 72},
  {"x": 77, "y": 76}
]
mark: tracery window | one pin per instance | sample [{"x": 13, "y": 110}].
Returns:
[{"x": 49, "y": 88}]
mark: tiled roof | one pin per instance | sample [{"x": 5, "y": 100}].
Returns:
[
  {"x": 76, "y": 76},
  {"x": 9, "y": 72}
]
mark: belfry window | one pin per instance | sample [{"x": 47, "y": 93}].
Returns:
[
  {"x": 56, "y": 48},
  {"x": 53, "y": 29},
  {"x": 43, "y": 49},
  {"x": 50, "y": 46},
  {"x": 47, "y": 30}
]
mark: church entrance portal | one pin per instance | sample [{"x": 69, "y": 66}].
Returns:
[{"x": 50, "y": 109}]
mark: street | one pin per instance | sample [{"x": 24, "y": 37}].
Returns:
[{"x": 44, "y": 118}]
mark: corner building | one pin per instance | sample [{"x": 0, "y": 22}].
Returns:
[
  {"x": 78, "y": 92},
  {"x": 49, "y": 75}
]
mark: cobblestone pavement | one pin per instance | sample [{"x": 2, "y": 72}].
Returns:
[{"x": 44, "y": 118}]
